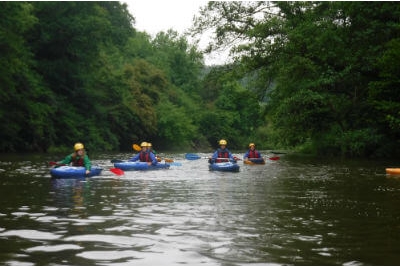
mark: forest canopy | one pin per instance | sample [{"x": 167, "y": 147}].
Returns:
[{"x": 318, "y": 77}]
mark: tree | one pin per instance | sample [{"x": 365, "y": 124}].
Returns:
[
  {"x": 77, "y": 46},
  {"x": 322, "y": 58},
  {"x": 25, "y": 103}
]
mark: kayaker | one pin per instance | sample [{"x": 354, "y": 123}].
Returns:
[
  {"x": 150, "y": 147},
  {"x": 145, "y": 155},
  {"x": 222, "y": 154},
  {"x": 78, "y": 158},
  {"x": 252, "y": 153}
]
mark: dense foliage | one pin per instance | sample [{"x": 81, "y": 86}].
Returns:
[
  {"x": 316, "y": 76},
  {"x": 80, "y": 71},
  {"x": 327, "y": 71}
]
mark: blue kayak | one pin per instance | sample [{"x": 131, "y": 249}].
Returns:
[
  {"x": 224, "y": 167},
  {"x": 191, "y": 156},
  {"x": 139, "y": 166},
  {"x": 74, "y": 172}
]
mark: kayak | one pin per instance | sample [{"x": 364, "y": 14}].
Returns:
[
  {"x": 224, "y": 167},
  {"x": 393, "y": 171},
  {"x": 191, "y": 156},
  {"x": 139, "y": 166},
  {"x": 254, "y": 161},
  {"x": 74, "y": 172}
]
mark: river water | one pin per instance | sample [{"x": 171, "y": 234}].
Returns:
[{"x": 293, "y": 211}]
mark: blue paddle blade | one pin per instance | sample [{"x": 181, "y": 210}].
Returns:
[
  {"x": 175, "y": 164},
  {"x": 191, "y": 156}
]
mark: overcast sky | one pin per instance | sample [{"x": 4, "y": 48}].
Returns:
[{"x": 154, "y": 16}]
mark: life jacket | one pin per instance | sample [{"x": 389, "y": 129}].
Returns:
[
  {"x": 144, "y": 156},
  {"x": 253, "y": 154},
  {"x": 76, "y": 160},
  {"x": 222, "y": 154}
]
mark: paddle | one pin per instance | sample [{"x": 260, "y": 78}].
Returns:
[
  {"x": 117, "y": 171},
  {"x": 253, "y": 161},
  {"x": 174, "y": 163},
  {"x": 191, "y": 156},
  {"x": 274, "y": 158},
  {"x": 54, "y": 163},
  {"x": 136, "y": 147},
  {"x": 116, "y": 160}
]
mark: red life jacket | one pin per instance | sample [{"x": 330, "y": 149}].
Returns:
[
  {"x": 144, "y": 157},
  {"x": 77, "y": 161},
  {"x": 254, "y": 154},
  {"x": 222, "y": 154}
]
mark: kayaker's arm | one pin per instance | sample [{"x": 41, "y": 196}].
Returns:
[
  {"x": 87, "y": 164},
  {"x": 135, "y": 158},
  {"x": 231, "y": 158},
  {"x": 153, "y": 159},
  {"x": 66, "y": 161},
  {"x": 213, "y": 157}
]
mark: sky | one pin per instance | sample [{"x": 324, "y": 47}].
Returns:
[{"x": 153, "y": 16}]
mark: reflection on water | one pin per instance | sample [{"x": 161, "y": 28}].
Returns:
[
  {"x": 73, "y": 194},
  {"x": 292, "y": 211}
]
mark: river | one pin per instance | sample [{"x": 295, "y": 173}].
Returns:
[{"x": 292, "y": 211}]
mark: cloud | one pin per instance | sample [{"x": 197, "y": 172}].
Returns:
[{"x": 155, "y": 16}]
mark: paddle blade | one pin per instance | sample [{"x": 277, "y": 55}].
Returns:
[
  {"x": 136, "y": 147},
  {"x": 191, "y": 156},
  {"x": 117, "y": 171},
  {"x": 168, "y": 160},
  {"x": 274, "y": 158},
  {"x": 52, "y": 163}
]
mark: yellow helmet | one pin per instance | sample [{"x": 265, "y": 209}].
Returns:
[
  {"x": 251, "y": 144},
  {"x": 78, "y": 146},
  {"x": 143, "y": 144},
  {"x": 223, "y": 142},
  {"x": 149, "y": 145}
]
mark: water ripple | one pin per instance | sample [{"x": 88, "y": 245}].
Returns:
[
  {"x": 31, "y": 234},
  {"x": 286, "y": 212}
]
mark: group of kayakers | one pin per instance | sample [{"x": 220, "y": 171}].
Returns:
[
  {"x": 222, "y": 154},
  {"x": 147, "y": 154}
]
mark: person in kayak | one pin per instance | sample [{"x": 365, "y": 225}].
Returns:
[
  {"x": 145, "y": 155},
  {"x": 222, "y": 154},
  {"x": 78, "y": 159},
  {"x": 150, "y": 148},
  {"x": 252, "y": 153}
]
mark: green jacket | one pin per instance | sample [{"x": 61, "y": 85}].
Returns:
[{"x": 69, "y": 159}]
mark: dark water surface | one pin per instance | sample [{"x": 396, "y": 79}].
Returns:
[{"x": 294, "y": 211}]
